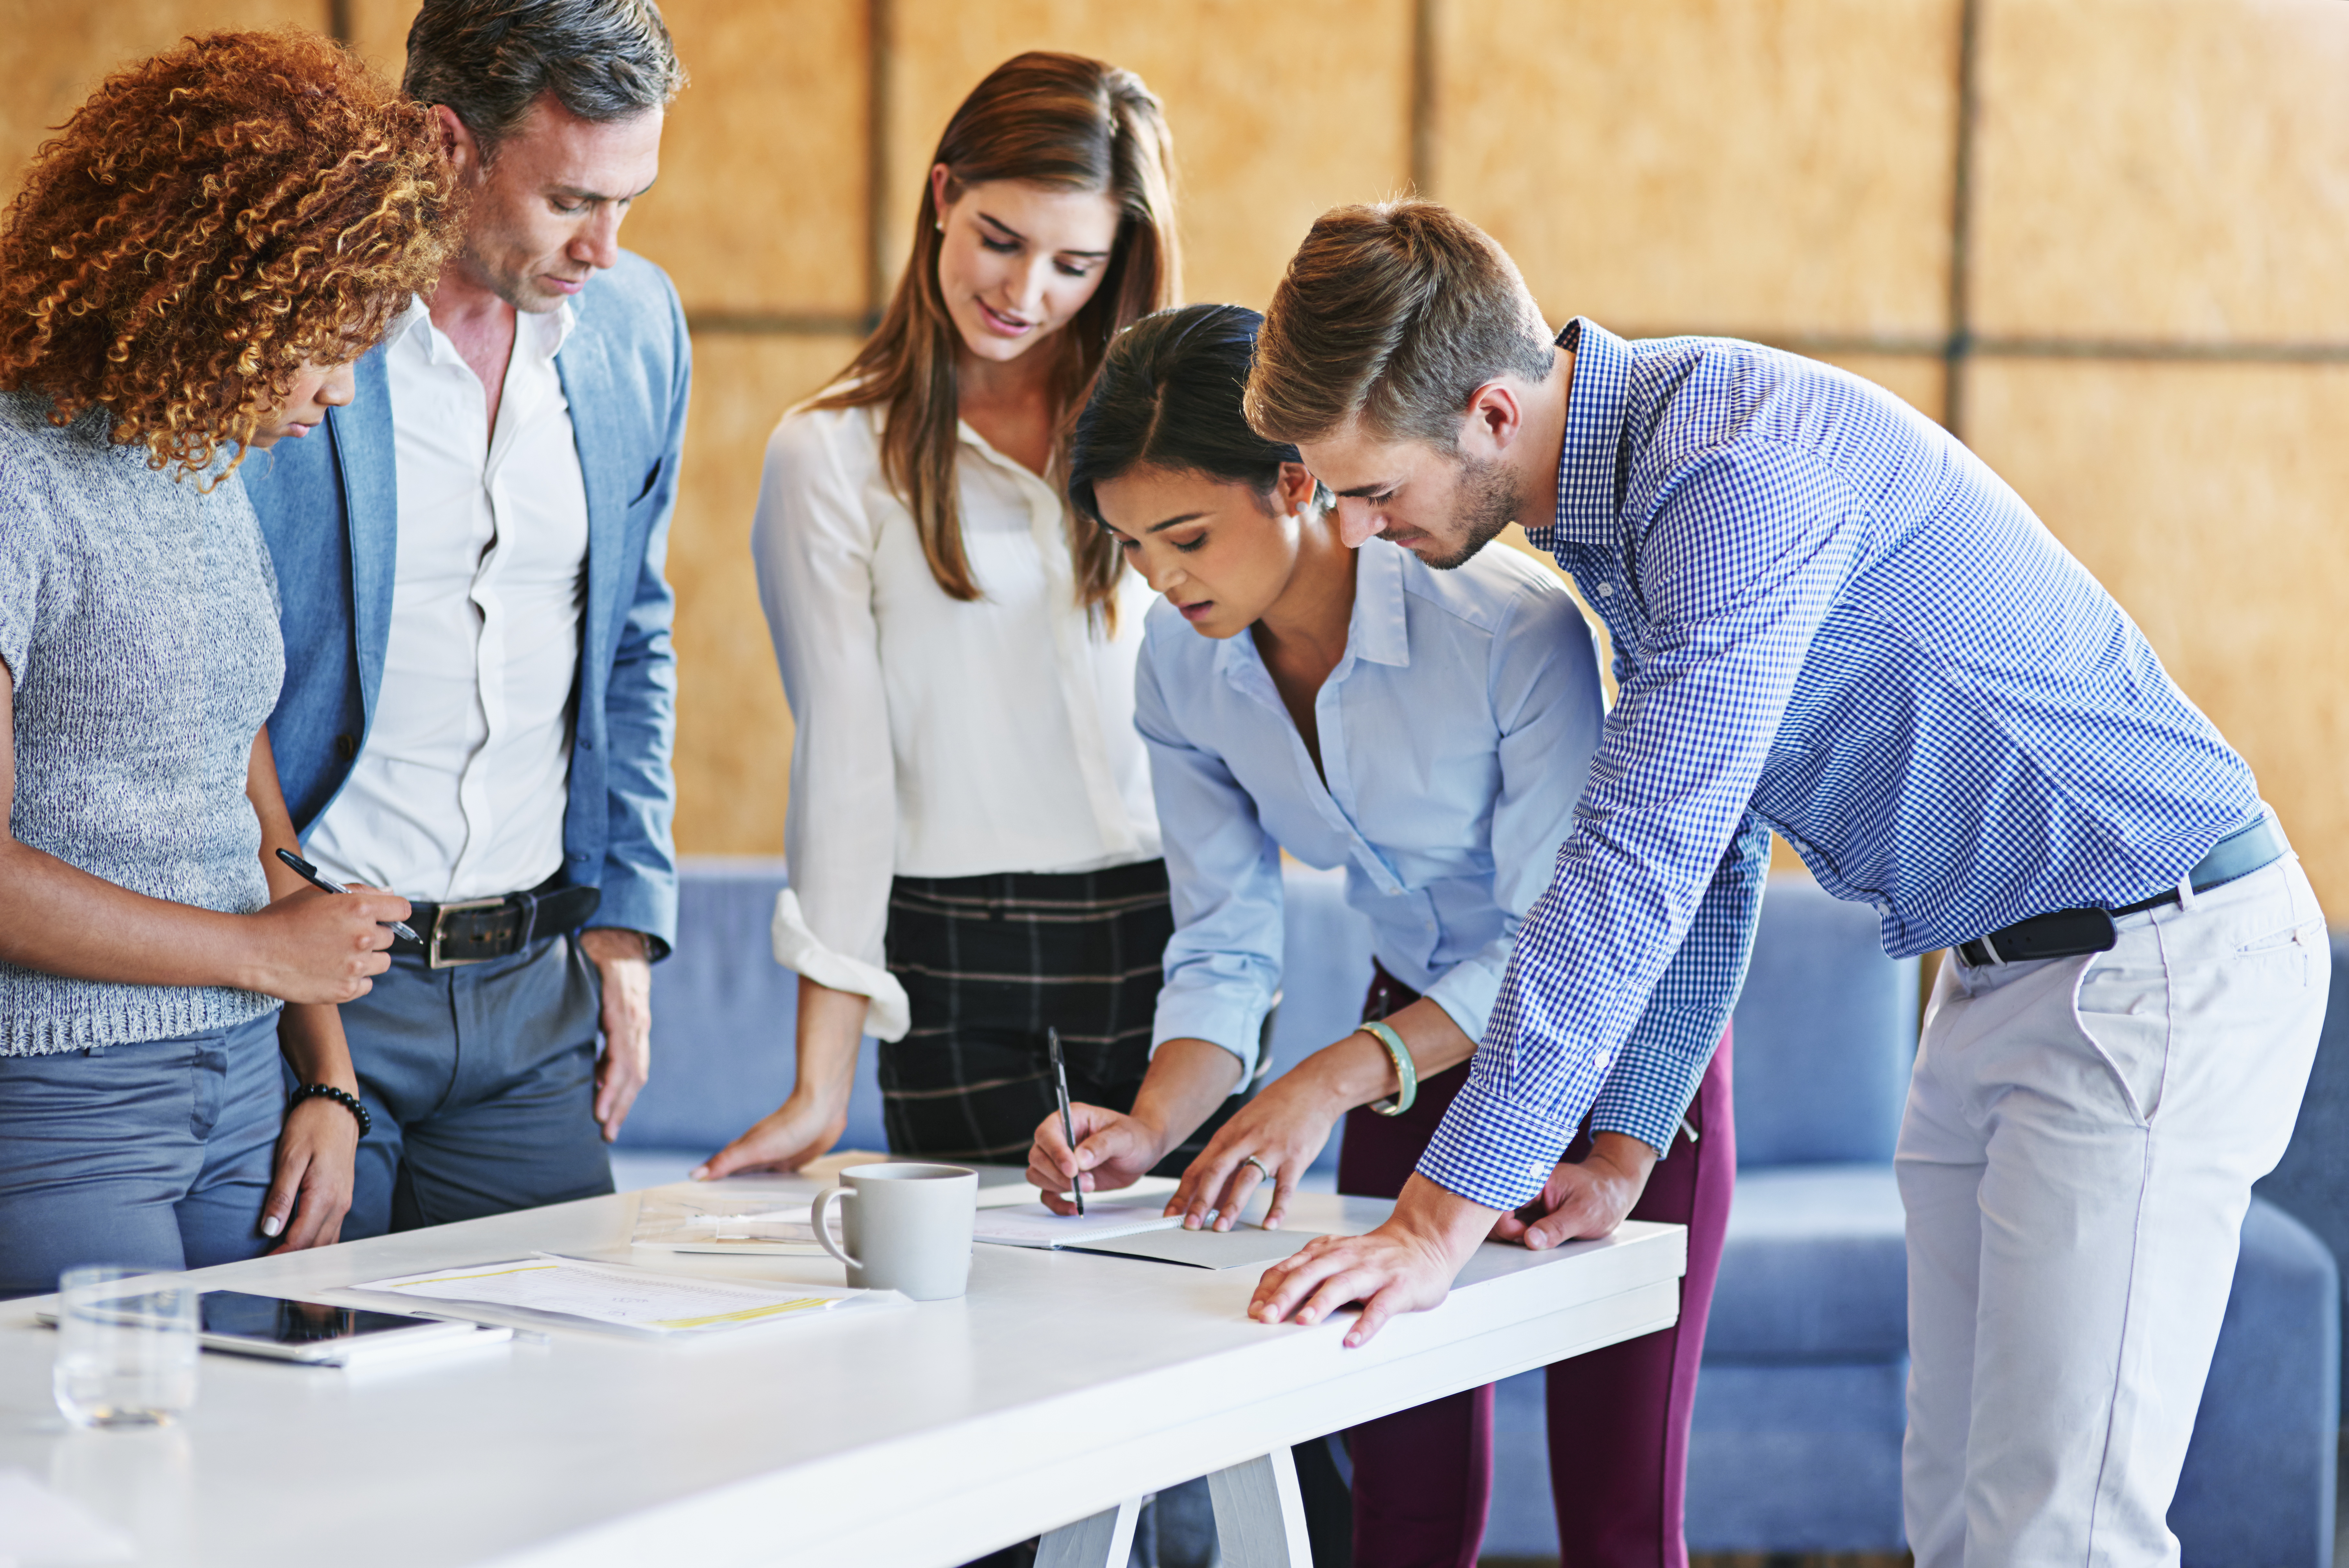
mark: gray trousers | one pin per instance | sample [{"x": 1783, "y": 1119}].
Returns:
[
  {"x": 154, "y": 1156},
  {"x": 482, "y": 1082}
]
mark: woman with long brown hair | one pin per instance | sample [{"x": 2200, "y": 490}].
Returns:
[
  {"x": 973, "y": 848},
  {"x": 185, "y": 275}
]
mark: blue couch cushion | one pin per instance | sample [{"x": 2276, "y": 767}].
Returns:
[
  {"x": 1814, "y": 1268},
  {"x": 1797, "y": 1459},
  {"x": 2257, "y": 1488},
  {"x": 1826, "y": 1027}
]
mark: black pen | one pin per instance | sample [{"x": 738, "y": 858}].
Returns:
[
  {"x": 1068, "y": 1122},
  {"x": 309, "y": 873}
]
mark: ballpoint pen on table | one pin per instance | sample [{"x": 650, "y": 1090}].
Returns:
[
  {"x": 1068, "y": 1122},
  {"x": 309, "y": 873}
]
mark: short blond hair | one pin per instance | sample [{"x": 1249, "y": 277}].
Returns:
[{"x": 1395, "y": 315}]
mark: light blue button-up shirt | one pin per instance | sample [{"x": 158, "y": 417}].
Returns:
[
  {"x": 1455, "y": 733},
  {"x": 1831, "y": 619}
]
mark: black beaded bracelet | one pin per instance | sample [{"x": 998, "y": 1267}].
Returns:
[{"x": 349, "y": 1102}]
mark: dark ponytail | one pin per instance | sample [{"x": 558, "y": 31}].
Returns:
[{"x": 1169, "y": 396}]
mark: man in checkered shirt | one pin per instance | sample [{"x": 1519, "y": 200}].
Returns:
[{"x": 1830, "y": 620}]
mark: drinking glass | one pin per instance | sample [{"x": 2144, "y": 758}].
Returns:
[{"x": 126, "y": 1346}]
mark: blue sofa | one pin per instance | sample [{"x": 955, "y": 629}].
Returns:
[
  {"x": 724, "y": 1011},
  {"x": 1799, "y": 1409}
]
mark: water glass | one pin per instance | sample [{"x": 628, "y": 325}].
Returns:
[{"x": 126, "y": 1346}]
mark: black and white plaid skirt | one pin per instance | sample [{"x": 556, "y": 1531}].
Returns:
[{"x": 988, "y": 963}]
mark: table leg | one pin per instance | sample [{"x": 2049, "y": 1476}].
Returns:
[
  {"x": 1260, "y": 1514},
  {"x": 1104, "y": 1541}
]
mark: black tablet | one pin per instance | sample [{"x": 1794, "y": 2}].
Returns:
[{"x": 312, "y": 1331}]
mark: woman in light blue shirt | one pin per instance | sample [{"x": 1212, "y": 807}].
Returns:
[{"x": 1429, "y": 730}]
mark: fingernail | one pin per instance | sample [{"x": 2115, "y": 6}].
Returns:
[{"x": 271, "y": 1225}]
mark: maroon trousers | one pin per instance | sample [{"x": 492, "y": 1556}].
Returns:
[{"x": 1618, "y": 1417}]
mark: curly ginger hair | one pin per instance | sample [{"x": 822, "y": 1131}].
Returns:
[{"x": 209, "y": 222}]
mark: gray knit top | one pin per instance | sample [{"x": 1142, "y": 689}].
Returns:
[{"x": 139, "y": 619}]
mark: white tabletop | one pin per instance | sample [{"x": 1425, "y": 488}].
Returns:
[{"x": 1061, "y": 1385}]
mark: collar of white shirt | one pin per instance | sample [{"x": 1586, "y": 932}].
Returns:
[{"x": 545, "y": 331}]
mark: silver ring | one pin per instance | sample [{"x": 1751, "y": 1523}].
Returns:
[{"x": 1262, "y": 1170}]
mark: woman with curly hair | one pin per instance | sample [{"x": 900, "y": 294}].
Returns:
[{"x": 190, "y": 265}]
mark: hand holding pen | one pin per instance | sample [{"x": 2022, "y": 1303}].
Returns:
[
  {"x": 1068, "y": 1122},
  {"x": 314, "y": 951},
  {"x": 309, "y": 873}
]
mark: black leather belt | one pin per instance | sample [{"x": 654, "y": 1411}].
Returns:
[
  {"x": 474, "y": 931},
  {"x": 2067, "y": 933}
]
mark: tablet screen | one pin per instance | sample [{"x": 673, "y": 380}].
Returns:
[{"x": 277, "y": 1322}]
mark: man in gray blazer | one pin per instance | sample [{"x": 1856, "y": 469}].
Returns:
[{"x": 479, "y": 704}]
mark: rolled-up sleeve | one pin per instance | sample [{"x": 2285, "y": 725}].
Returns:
[
  {"x": 813, "y": 544},
  {"x": 1222, "y": 966},
  {"x": 1738, "y": 564}
]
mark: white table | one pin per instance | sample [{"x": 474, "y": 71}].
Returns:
[{"x": 1059, "y": 1390}]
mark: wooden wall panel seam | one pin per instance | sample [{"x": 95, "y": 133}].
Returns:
[
  {"x": 1426, "y": 103},
  {"x": 880, "y": 48},
  {"x": 1954, "y": 357}
]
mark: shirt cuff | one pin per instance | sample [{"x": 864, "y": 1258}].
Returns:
[
  {"x": 888, "y": 1014},
  {"x": 1492, "y": 1152},
  {"x": 1647, "y": 1094},
  {"x": 1204, "y": 1015}
]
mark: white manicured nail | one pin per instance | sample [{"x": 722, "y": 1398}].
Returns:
[{"x": 271, "y": 1225}]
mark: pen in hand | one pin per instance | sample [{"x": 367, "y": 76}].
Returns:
[
  {"x": 1068, "y": 1122},
  {"x": 309, "y": 873}
]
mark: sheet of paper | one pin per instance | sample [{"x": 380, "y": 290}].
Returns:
[
  {"x": 628, "y": 1298},
  {"x": 1036, "y": 1226},
  {"x": 686, "y": 1219},
  {"x": 999, "y": 1186},
  {"x": 1238, "y": 1247}
]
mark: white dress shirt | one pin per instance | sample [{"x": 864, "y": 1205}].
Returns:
[
  {"x": 461, "y": 788},
  {"x": 934, "y": 738}
]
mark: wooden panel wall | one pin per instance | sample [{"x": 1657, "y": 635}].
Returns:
[{"x": 2103, "y": 239}]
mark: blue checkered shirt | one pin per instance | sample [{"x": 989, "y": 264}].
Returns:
[{"x": 1830, "y": 619}]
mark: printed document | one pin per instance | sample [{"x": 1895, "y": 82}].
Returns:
[{"x": 616, "y": 1294}]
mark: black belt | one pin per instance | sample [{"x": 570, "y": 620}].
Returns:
[
  {"x": 2067, "y": 933},
  {"x": 474, "y": 931}
]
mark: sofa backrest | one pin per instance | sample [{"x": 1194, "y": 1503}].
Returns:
[
  {"x": 725, "y": 1016},
  {"x": 1825, "y": 1027},
  {"x": 725, "y": 1013},
  {"x": 1826, "y": 1030},
  {"x": 2311, "y": 1184}
]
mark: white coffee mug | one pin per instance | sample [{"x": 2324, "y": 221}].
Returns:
[{"x": 907, "y": 1227}]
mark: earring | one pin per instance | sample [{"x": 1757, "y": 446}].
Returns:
[{"x": 941, "y": 225}]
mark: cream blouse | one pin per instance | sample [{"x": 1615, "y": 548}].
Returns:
[{"x": 934, "y": 738}]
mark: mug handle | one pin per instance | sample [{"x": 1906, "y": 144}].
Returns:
[{"x": 824, "y": 1222}]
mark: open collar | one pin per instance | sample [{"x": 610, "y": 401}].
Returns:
[{"x": 1378, "y": 630}]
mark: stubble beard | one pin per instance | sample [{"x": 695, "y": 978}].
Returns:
[{"x": 1488, "y": 504}]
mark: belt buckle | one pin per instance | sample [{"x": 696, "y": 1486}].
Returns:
[{"x": 432, "y": 957}]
